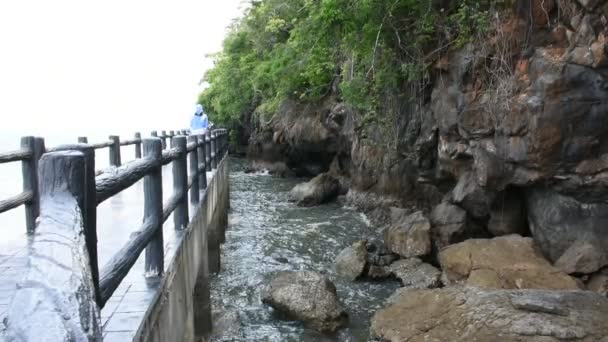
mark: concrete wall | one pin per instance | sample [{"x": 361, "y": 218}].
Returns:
[{"x": 181, "y": 310}]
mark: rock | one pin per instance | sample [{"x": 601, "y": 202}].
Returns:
[
  {"x": 470, "y": 196},
  {"x": 321, "y": 189},
  {"x": 227, "y": 324},
  {"x": 398, "y": 214},
  {"x": 351, "y": 262},
  {"x": 379, "y": 272},
  {"x": 282, "y": 260},
  {"x": 581, "y": 257},
  {"x": 416, "y": 274},
  {"x": 507, "y": 215},
  {"x": 463, "y": 314},
  {"x": 599, "y": 282},
  {"x": 570, "y": 233},
  {"x": 306, "y": 296},
  {"x": 450, "y": 225},
  {"x": 507, "y": 262},
  {"x": 411, "y": 237},
  {"x": 378, "y": 254}
]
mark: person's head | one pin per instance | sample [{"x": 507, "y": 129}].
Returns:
[{"x": 199, "y": 110}]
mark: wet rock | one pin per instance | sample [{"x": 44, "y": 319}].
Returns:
[
  {"x": 410, "y": 237},
  {"x": 506, "y": 262},
  {"x": 378, "y": 272},
  {"x": 351, "y": 262},
  {"x": 598, "y": 282},
  {"x": 463, "y": 314},
  {"x": 282, "y": 260},
  {"x": 306, "y": 296},
  {"x": 379, "y": 255},
  {"x": 321, "y": 189},
  {"x": 450, "y": 225},
  {"x": 227, "y": 324},
  {"x": 570, "y": 233},
  {"x": 414, "y": 273}
]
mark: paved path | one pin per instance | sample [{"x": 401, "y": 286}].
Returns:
[{"x": 116, "y": 219}]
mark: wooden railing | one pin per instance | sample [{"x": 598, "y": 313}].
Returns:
[{"x": 203, "y": 151}]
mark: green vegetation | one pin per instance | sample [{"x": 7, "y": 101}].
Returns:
[{"x": 303, "y": 49}]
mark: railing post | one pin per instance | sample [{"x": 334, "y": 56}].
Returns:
[
  {"x": 154, "y": 134},
  {"x": 89, "y": 214},
  {"x": 213, "y": 151},
  {"x": 138, "y": 145},
  {"x": 164, "y": 139},
  {"x": 30, "y": 179},
  {"x": 83, "y": 140},
  {"x": 68, "y": 308},
  {"x": 89, "y": 209},
  {"x": 115, "y": 151},
  {"x": 208, "y": 150},
  {"x": 180, "y": 182},
  {"x": 202, "y": 176},
  {"x": 195, "y": 189},
  {"x": 153, "y": 208}
]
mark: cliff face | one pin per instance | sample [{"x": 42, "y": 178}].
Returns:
[{"x": 513, "y": 129}]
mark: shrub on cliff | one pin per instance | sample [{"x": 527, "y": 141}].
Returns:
[{"x": 361, "y": 49}]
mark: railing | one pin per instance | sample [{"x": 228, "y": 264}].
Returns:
[{"x": 203, "y": 151}]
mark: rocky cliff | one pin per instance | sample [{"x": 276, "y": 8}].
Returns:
[{"x": 509, "y": 136}]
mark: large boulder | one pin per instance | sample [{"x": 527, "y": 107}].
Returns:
[
  {"x": 410, "y": 237},
  {"x": 463, "y": 314},
  {"x": 321, "y": 189},
  {"x": 413, "y": 273},
  {"x": 451, "y": 225},
  {"x": 570, "y": 233},
  {"x": 306, "y": 296},
  {"x": 351, "y": 262},
  {"x": 506, "y": 262}
]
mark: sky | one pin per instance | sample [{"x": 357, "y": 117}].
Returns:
[{"x": 128, "y": 65}]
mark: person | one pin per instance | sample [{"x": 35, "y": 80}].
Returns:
[{"x": 200, "y": 122}]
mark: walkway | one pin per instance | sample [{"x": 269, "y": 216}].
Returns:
[{"x": 116, "y": 219}]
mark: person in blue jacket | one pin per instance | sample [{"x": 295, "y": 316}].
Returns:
[{"x": 200, "y": 122}]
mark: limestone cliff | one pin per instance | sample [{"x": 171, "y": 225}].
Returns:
[{"x": 513, "y": 129}]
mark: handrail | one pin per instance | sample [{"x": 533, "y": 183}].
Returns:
[
  {"x": 116, "y": 180},
  {"x": 15, "y": 201},
  {"x": 170, "y": 155},
  {"x": 13, "y": 156},
  {"x": 120, "y": 264},
  {"x": 149, "y": 236},
  {"x": 204, "y": 154},
  {"x": 129, "y": 142}
]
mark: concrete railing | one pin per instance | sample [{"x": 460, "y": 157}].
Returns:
[{"x": 63, "y": 196}]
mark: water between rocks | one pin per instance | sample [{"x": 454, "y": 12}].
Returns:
[{"x": 266, "y": 234}]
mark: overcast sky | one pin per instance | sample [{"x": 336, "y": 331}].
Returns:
[{"x": 128, "y": 64}]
